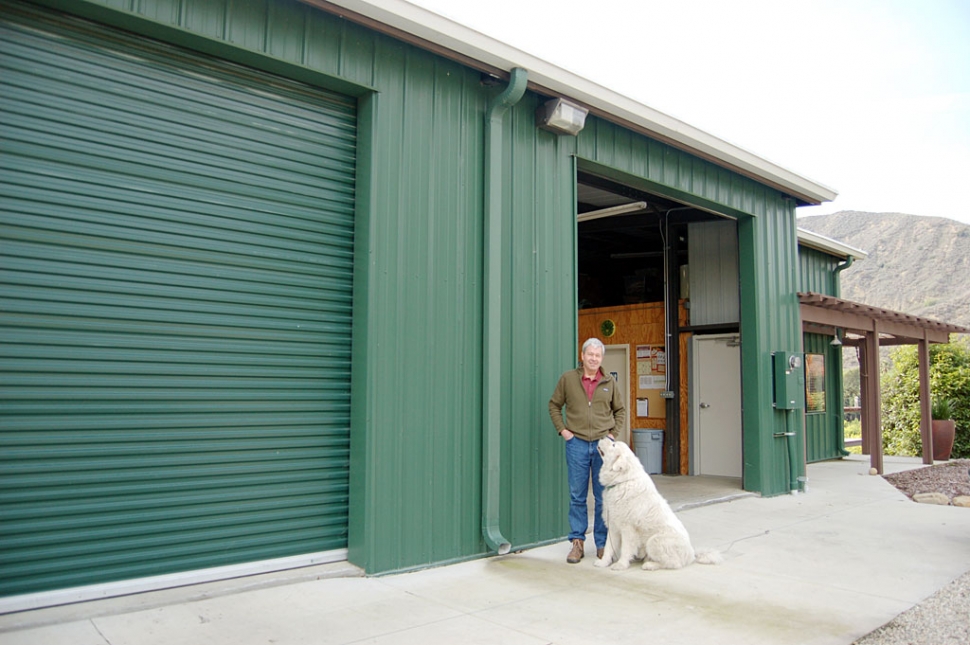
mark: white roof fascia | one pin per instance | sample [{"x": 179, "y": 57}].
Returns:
[
  {"x": 828, "y": 245},
  {"x": 441, "y": 31}
]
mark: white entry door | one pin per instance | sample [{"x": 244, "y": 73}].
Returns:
[
  {"x": 716, "y": 406},
  {"x": 616, "y": 361}
]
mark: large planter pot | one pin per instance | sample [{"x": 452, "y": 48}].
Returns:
[{"x": 943, "y": 431}]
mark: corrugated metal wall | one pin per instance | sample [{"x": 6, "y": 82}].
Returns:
[
  {"x": 823, "y": 430},
  {"x": 540, "y": 325},
  {"x": 817, "y": 272},
  {"x": 713, "y": 275},
  {"x": 416, "y": 427},
  {"x": 770, "y": 322},
  {"x": 177, "y": 306},
  {"x": 419, "y": 409}
]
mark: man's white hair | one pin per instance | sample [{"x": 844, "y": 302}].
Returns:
[{"x": 594, "y": 342}]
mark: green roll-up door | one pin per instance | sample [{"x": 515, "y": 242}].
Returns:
[{"x": 175, "y": 328}]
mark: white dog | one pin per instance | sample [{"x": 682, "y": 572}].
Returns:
[{"x": 640, "y": 522}]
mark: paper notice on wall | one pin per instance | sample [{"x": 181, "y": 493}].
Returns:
[
  {"x": 651, "y": 367},
  {"x": 643, "y": 407},
  {"x": 649, "y": 382}
]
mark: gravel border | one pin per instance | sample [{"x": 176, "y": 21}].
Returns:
[{"x": 941, "y": 619}]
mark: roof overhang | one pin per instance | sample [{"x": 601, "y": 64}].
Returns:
[
  {"x": 823, "y": 314},
  {"x": 445, "y": 37},
  {"x": 828, "y": 245}
]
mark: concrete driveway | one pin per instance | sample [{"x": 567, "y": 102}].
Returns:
[{"x": 826, "y": 567}]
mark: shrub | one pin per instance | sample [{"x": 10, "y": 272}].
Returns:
[
  {"x": 852, "y": 429},
  {"x": 949, "y": 381}
]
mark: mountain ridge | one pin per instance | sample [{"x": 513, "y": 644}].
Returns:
[{"x": 916, "y": 265}]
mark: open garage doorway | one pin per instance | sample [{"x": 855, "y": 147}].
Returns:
[{"x": 653, "y": 273}]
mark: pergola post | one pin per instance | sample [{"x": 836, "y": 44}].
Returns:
[
  {"x": 865, "y": 414},
  {"x": 925, "y": 415},
  {"x": 822, "y": 314},
  {"x": 874, "y": 398}
]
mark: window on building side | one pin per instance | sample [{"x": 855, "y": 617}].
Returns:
[{"x": 814, "y": 382}]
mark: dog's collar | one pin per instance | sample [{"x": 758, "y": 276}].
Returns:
[{"x": 610, "y": 486}]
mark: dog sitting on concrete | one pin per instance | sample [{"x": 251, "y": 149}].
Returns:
[{"x": 641, "y": 523}]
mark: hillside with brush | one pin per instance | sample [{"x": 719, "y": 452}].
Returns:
[{"x": 916, "y": 265}]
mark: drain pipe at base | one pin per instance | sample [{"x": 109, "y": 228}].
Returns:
[
  {"x": 795, "y": 482},
  {"x": 491, "y": 346}
]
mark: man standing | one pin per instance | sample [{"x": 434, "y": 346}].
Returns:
[{"x": 594, "y": 409}]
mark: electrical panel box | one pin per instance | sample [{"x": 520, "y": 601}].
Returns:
[{"x": 789, "y": 377}]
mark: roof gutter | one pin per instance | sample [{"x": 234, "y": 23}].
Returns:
[
  {"x": 491, "y": 347},
  {"x": 442, "y": 36},
  {"x": 828, "y": 245}
]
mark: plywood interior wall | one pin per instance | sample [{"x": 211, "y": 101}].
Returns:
[{"x": 641, "y": 324}]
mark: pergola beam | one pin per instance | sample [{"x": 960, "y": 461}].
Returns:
[{"x": 912, "y": 332}]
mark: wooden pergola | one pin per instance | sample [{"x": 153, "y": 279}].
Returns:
[{"x": 868, "y": 328}]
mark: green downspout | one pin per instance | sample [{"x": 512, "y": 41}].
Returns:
[
  {"x": 838, "y": 279},
  {"x": 491, "y": 346}
]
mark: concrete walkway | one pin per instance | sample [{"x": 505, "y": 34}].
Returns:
[{"x": 825, "y": 567}]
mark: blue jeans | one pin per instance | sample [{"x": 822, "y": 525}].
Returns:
[{"x": 582, "y": 462}]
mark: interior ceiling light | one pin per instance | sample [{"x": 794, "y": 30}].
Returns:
[
  {"x": 561, "y": 116},
  {"x": 622, "y": 209}
]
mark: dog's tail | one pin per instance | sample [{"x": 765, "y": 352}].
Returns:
[{"x": 708, "y": 556}]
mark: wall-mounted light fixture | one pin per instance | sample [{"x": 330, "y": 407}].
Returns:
[
  {"x": 837, "y": 341},
  {"x": 621, "y": 209},
  {"x": 561, "y": 116}
]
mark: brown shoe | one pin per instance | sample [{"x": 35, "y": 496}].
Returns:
[
  {"x": 599, "y": 554},
  {"x": 577, "y": 553}
]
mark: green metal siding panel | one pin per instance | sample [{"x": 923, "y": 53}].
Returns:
[
  {"x": 521, "y": 432},
  {"x": 423, "y": 399},
  {"x": 770, "y": 322},
  {"x": 452, "y": 272},
  {"x": 609, "y": 150},
  {"x": 555, "y": 327},
  {"x": 541, "y": 286},
  {"x": 177, "y": 298},
  {"x": 823, "y": 430},
  {"x": 816, "y": 271}
]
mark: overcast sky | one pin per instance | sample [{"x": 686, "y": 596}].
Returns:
[{"x": 869, "y": 97}]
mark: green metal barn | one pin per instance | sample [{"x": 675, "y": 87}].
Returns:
[{"x": 291, "y": 282}]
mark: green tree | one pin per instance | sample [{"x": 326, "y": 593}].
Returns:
[
  {"x": 850, "y": 387},
  {"x": 949, "y": 379}
]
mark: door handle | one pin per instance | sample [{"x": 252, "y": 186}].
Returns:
[{"x": 705, "y": 405}]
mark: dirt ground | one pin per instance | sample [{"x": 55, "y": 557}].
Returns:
[{"x": 952, "y": 478}]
